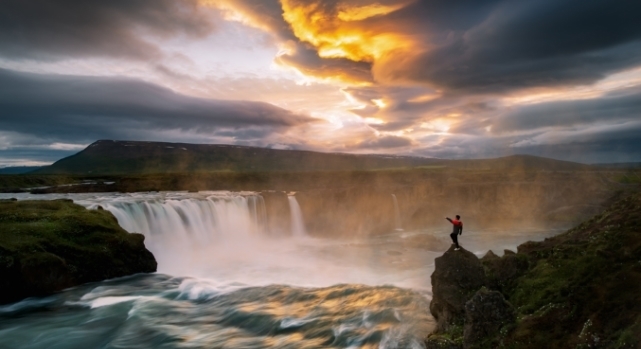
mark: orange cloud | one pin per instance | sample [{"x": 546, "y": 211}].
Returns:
[{"x": 340, "y": 31}]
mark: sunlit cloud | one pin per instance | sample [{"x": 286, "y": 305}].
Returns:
[{"x": 426, "y": 78}]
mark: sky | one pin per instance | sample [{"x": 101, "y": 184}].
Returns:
[{"x": 433, "y": 78}]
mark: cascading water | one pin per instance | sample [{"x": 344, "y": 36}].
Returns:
[
  {"x": 222, "y": 281},
  {"x": 199, "y": 220},
  {"x": 397, "y": 215},
  {"x": 298, "y": 224},
  {"x": 184, "y": 231}
]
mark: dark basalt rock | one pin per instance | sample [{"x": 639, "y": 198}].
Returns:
[
  {"x": 47, "y": 246},
  {"x": 485, "y": 314},
  {"x": 502, "y": 272},
  {"x": 457, "y": 276}
]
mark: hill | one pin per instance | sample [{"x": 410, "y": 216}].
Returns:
[
  {"x": 619, "y": 165},
  {"x": 107, "y": 157},
  {"x": 18, "y": 169}
]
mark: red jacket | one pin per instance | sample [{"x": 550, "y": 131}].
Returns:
[{"x": 458, "y": 226}]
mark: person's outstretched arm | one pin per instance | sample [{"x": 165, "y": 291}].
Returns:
[{"x": 448, "y": 218}]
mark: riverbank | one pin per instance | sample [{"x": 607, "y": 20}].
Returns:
[{"x": 47, "y": 246}]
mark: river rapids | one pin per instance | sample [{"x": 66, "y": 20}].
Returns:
[{"x": 225, "y": 281}]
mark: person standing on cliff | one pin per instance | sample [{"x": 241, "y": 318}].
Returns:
[{"x": 458, "y": 230}]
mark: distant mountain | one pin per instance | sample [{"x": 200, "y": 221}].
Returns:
[
  {"x": 518, "y": 162},
  {"x": 129, "y": 157},
  {"x": 619, "y": 165},
  {"x": 19, "y": 169},
  {"x": 107, "y": 157}
]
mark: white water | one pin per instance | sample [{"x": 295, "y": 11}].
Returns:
[
  {"x": 298, "y": 224},
  {"x": 212, "y": 245},
  {"x": 222, "y": 237},
  {"x": 397, "y": 215}
]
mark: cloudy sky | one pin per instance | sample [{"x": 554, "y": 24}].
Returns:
[{"x": 436, "y": 78}]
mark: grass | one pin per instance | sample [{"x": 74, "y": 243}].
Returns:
[
  {"x": 579, "y": 289},
  {"x": 583, "y": 288},
  {"x": 65, "y": 243},
  {"x": 16, "y": 182}
]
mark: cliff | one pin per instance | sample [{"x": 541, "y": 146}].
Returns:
[
  {"x": 580, "y": 289},
  {"x": 47, "y": 246}
]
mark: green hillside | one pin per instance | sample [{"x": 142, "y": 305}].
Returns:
[{"x": 107, "y": 157}]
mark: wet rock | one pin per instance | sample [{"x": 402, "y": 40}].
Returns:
[
  {"x": 456, "y": 277},
  {"x": 486, "y": 313}
]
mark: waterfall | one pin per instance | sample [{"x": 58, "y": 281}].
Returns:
[
  {"x": 397, "y": 214},
  {"x": 194, "y": 219},
  {"x": 298, "y": 225},
  {"x": 180, "y": 228}
]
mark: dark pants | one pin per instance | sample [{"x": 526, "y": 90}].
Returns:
[{"x": 454, "y": 237}]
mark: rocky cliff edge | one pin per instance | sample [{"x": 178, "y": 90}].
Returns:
[{"x": 580, "y": 289}]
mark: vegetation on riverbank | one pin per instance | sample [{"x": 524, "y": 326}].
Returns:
[
  {"x": 46, "y": 246},
  {"x": 580, "y": 289}
]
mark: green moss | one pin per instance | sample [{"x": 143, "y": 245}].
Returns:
[
  {"x": 583, "y": 288},
  {"x": 65, "y": 243}
]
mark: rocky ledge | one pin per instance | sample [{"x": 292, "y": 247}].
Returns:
[
  {"x": 47, "y": 246},
  {"x": 580, "y": 289}
]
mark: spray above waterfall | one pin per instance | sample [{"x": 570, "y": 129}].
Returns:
[{"x": 397, "y": 215}]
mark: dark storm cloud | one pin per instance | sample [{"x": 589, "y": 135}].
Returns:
[
  {"x": 502, "y": 45},
  {"x": 83, "y": 109},
  {"x": 612, "y": 108},
  {"x": 588, "y": 144},
  {"x": 59, "y": 29},
  {"x": 480, "y": 46}
]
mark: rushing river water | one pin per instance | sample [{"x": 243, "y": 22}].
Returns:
[{"x": 224, "y": 282}]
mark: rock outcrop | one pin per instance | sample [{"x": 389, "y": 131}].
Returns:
[
  {"x": 47, "y": 246},
  {"x": 502, "y": 272},
  {"x": 457, "y": 276},
  {"x": 579, "y": 289},
  {"x": 486, "y": 313}
]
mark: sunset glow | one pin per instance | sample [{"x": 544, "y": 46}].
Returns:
[{"x": 342, "y": 74}]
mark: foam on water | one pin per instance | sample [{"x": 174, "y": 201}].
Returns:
[{"x": 223, "y": 281}]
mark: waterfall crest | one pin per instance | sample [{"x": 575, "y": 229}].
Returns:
[{"x": 199, "y": 220}]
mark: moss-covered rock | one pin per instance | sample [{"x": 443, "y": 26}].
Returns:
[
  {"x": 46, "y": 246},
  {"x": 486, "y": 313},
  {"x": 457, "y": 275}
]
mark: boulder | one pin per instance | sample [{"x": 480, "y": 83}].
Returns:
[
  {"x": 457, "y": 276},
  {"x": 485, "y": 314}
]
